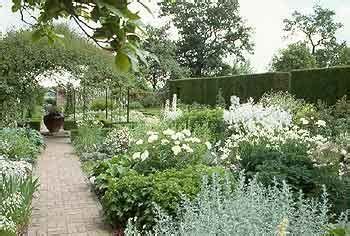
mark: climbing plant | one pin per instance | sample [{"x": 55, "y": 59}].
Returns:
[{"x": 22, "y": 61}]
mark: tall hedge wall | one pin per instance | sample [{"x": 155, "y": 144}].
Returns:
[
  {"x": 327, "y": 84},
  {"x": 205, "y": 90}
]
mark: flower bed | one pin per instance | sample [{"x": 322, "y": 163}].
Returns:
[
  {"x": 150, "y": 174},
  {"x": 18, "y": 151}
]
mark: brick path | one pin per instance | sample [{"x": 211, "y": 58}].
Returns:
[{"x": 64, "y": 205}]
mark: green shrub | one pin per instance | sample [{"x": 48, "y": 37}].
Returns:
[
  {"x": 69, "y": 125},
  {"x": 34, "y": 124},
  {"x": 297, "y": 170},
  {"x": 99, "y": 104},
  {"x": 326, "y": 84},
  {"x": 164, "y": 149},
  {"x": 20, "y": 144},
  {"x": 212, "y": 119},
  {"x": 150, "y": 101},
  {"x": 136, "y": 195},
  {"x": 88, "y": 139},
  {"x": 135, "y": 105},
  {"x": 249, "y": 209}
]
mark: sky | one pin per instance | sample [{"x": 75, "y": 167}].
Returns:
[{"x": 264, "y": 16}]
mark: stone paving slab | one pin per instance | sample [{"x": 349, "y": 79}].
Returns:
[{"x": 64, "y": 205}]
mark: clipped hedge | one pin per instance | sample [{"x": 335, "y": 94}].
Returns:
[
  {"x": 327, "y": 84},
  {"x": 205, "y": 90}
]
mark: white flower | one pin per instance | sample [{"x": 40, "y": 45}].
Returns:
[
  {"x": 151, "y": 133},
  {"x": 187, "y": 148},
  {"x": 177, "y": 142},
  {"x": 139, "y": 142},
  {"x": 144, "y": 155},
  {"x": 208, "y": 144},
  {"x": 320, "y": 123},
  {"x": 164, "y": 141},
  {"x": 304, "y": 121},
  {"x": 186, "y": 132},
  {"x": 168, "y": 132},
  {"x": 136, "y": 155},
  {"x": 176, "y": 150},
  {"x": 343, "y": 152},
  {"x": 152, "y": 138}
]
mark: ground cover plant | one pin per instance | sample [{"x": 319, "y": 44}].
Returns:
[{"x": 19, "y": 150}]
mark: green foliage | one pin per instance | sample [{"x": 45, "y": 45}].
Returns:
[
  {"x": 205, "y": 90},
  {"x": 23, "y": 60},
  {"x": 295, "y": 56},
  {"x": 88, "y": 139},
  {"x": 246, "y": 209},
  {"x": 99, "y": 104},
  {"x": 220, "y": 100},
  {"x": 69, "y": 125},
  {"x": 16, "y": 196},
  {"x": 158, "y": 151},
  {"x": 319, "y": 29},
  {"x": 200, "y": 48},
  {"x": 20, "y": 144},
  {"x": 327, "y": 85},
  {"x": 162, "y": 63},
  {"x": 135, "y": 105},
  {"x": 151, "y": 100},
  {"x": 136, "y": 195},
  {"x": 197, "y": 120},
  {"x": 296, "y": 169},
  {"x": 116, "y": 25}
]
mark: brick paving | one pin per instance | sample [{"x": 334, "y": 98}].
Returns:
[{"x": 64, "y": 205}]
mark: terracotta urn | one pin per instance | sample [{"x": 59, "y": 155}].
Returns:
[{"x": 54, "y": 121}]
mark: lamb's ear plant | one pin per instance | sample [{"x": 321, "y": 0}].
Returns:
[{"x": 248, "y": 209}]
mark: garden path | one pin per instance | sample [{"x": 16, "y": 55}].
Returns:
[{"x": 64, "y": 205}]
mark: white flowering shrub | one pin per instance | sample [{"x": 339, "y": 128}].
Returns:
[
  {"x": 116, "y": 142},
  {"x": 253, "y": 125},
  {"x": 171, "y": 112},
  {"x": 88, "y": 120},
  {"x": 248, "y": 209},
  {"x": 167, "y": 149}
]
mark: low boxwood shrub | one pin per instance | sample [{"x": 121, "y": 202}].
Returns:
[{"x": 136, "y": 195}]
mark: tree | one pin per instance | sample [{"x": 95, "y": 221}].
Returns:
[
  {"x": 162, "y": 65},
  {"x": 295, "y": 56},
  {"x": 319, "y": 29},
  {"x": 209, "y": 32},
  {"x": 111, "y": 24}
]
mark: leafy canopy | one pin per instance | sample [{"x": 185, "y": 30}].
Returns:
[
  {"x": 210, "y": 31},
  {"x": 111, "y": 24},
  {"x": 295, "y": 56},
  {"x": 162, "y": 65},
  {"x": 319, "y": 29}
]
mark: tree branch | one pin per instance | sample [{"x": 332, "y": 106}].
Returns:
[{"x": 89, "y": 36}]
